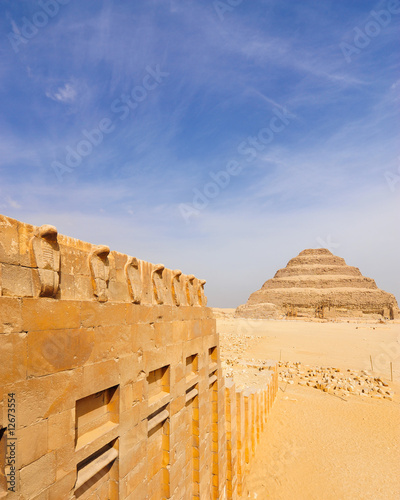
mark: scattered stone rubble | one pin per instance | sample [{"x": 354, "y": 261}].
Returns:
[
  {"x": 246, "y": 372},
  {"x": 249, "y": 372},
  {"x": 334, "y": 381},
  {"x": 236, "y": 344}
]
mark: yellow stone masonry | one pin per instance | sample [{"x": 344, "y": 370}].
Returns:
[{"x": 110, "y": 378}]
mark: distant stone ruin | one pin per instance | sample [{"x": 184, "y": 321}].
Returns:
[{"x": 318, "y": 284}]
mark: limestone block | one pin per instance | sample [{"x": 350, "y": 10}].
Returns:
[
  {"x": 145, "y": 338},
  {"x": 130, "y": 419},
  {"x": 134, "y": 479},
  {"x": 194, "y": 330},
  {"x": 131, "y": 453},
  {"x": 134, "y": 280},
  {"x": 16, "y": 281},
  {"x": 61, "y": 429},
  {"x": 74, "y": 259},
  {"x": 162, "y": 334},
  {"x": 139, "y": 492},
  {"x": 110, "y": 342},
  {"x": 44, "y": 495},
  {"x": 177, "y": 404},
  {"x": 100, "y": 272},
  {"x": 62, "y": 488},
  {"x": 83, "y": 287},
  {"x": 13, "y": 365},
  {"x": 9, "y": 242},
  {"x": 128, "y": 367},
  {"x": 51, "y": 351},
  {"x": 48, "y": 314},
  {"x": 38, "y": 398},
  {"x": 117, "y": 290},
  {"x": 155, "y": 359},
  {"x": 32, "y": 443},
  {"x": 95, "y": 314},
  {"x": 152, "y": 314},
  {"x": 184, "y": 312},
  {"x": 67, "y": 288},
  {"x": 45, "y": 256},
  {"x": 100, "y": 376},
  {"x": 25, "y": 233},
  {"x": 38, "y": 475}
]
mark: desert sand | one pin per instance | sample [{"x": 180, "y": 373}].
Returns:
[{"x": 318, "y": 445}]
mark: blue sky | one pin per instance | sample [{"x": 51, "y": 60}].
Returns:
[{"x": 217, "y": 139}]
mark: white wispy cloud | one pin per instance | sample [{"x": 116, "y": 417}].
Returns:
[{"x": 66, "y": 93}]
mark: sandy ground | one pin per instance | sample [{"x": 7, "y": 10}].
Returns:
[{"x": 316, "y": 445}]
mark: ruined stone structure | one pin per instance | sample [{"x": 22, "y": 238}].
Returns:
[
  {"x": 110, "y": 378},
  {"x": 317, "y": 284}
]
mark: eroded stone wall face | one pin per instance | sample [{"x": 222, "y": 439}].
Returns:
[{"x": 114, "y": 366}]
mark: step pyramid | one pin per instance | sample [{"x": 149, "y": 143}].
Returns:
[{"x": 318, "y": 284}]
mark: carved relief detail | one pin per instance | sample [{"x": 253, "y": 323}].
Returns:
[
  {"x": 158, "y": 283},
  {"x": 45, "y": 253},
  {"x": 190, "y": 295},
  {"x": 176, "y": 287},
  {"x": 201, "y": 294},
  {"x": 133, "y": 277},
  {"x": 100, "y": 271}
]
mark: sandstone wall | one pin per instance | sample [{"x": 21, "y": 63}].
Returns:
[{"x": 112, "y": 365}]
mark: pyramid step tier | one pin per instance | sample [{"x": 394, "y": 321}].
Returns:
[
  {"x": 322, "y": 260},
  {"x": 318, "y": 270},
  {"x": 356, "y": 298},
  {"x": 312, "y": 281}
]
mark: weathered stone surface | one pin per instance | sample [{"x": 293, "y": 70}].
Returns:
[
  {"x": 16, "y": 281},
  {"x": 52, "y": 351},
  {"x": 45, "y": 253},
  {"x": 318, "y": 284},
  {"x": 134, "y": 280},
  {"x": 13, "y": 365},
  {"x": 115, "y": 367},
  {"x": 33, "y": 442},
  {"x": 10, "y": 315},
  {"x": 100, "y": 272},
  {"x": 49, "y": 314},
  {"x": 38, "y": 475}
]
